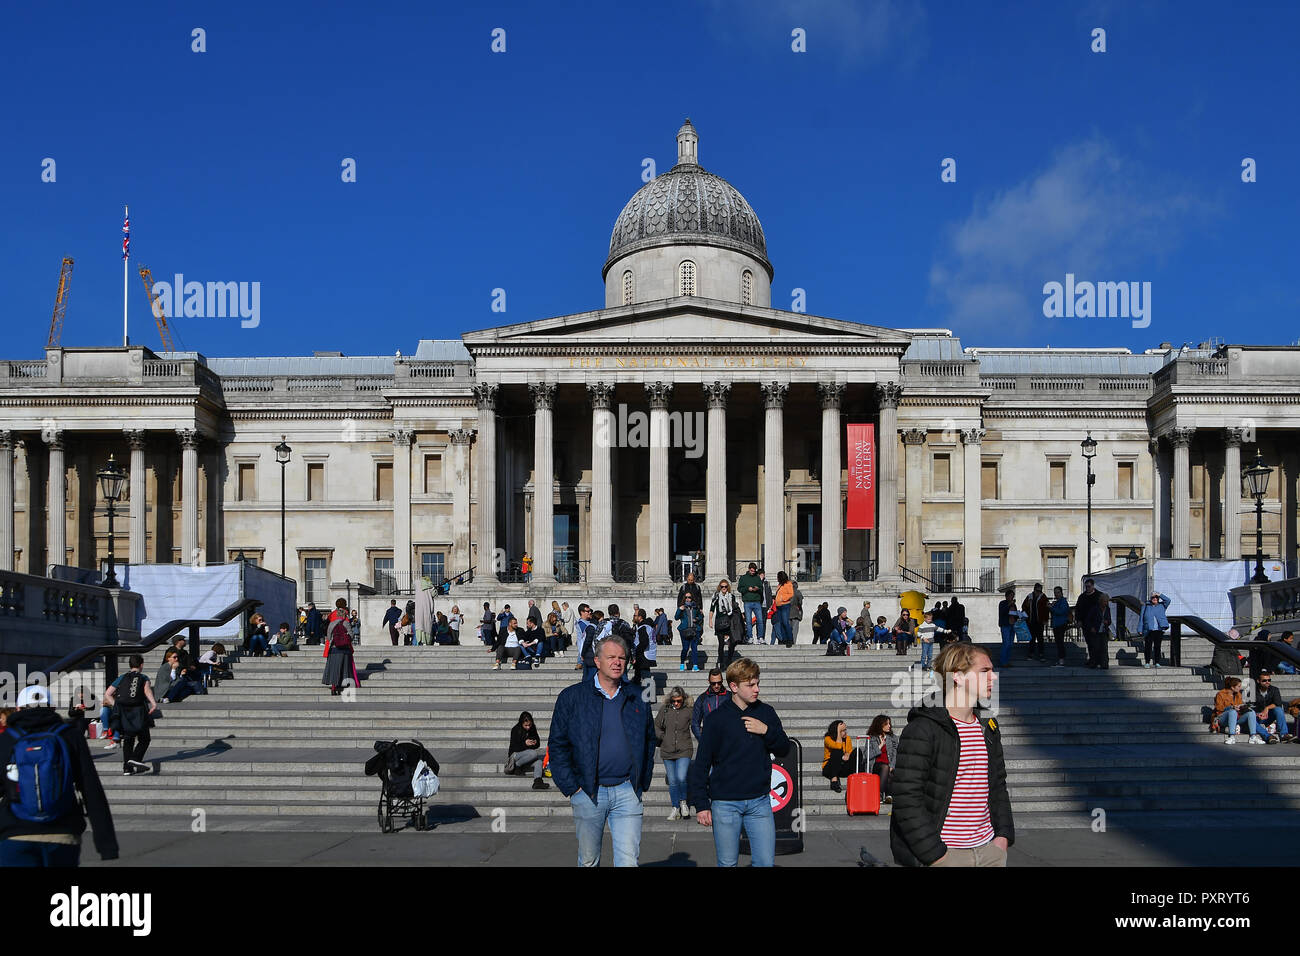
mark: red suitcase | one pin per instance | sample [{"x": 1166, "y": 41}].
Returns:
[{"x": 862, "y": 795}]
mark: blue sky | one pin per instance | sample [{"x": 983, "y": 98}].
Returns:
[{"x": 479, "y": 170}]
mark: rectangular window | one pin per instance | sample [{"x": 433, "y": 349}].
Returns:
[
  {"x": 384, "y": 481},
  {"x": 432, "y": 474},
  {"x": 385, "y": 579},
  {"x": 1124, "y": 480},
  {"x": 433, "y": 566},
  {"x": 1056, "y": 479},
  {"x": 941, "y": 569},
  {"x": 247, "y": 489},
  {"x": 1057, "y": 573},
  {"x": 941, "y": 474},
  {"x": 316, "y": 481},
  {"x": 990, "y": 572},
  {"x": 317, "y": 580},
  {"x": 989, "y": 480}
]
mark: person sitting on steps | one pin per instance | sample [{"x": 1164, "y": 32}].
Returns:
[
  {"x": 837, "y": 753},
  {"x": 526, "y": 750},
  {"x": 1229, "y": 709}
]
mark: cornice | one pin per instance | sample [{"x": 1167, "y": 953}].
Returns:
[{"x": 715, "y": 347}]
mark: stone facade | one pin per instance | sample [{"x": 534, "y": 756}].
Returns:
[{"x": 524, "y": 438}]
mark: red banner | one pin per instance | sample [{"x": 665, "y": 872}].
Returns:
[{"x": 862, "y": 477}]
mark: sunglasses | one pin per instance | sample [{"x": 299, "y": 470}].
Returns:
[{"x": 715, "y": 683}]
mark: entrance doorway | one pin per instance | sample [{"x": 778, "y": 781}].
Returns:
[
  {"x": 685, "y": 545},
  {"x": 565, "y": 529},
  {"x": 808, "y": 538}
]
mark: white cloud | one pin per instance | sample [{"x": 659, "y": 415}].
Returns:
[
  {"x": 1091, "y": 212},
  {"x": 855, "y": 32}
]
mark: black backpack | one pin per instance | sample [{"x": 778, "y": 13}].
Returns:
[
  {"x": 131, "y": 690},
  {"x": 621, "y": 628}
]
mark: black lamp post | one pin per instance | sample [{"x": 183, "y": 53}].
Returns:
[
  {"x": 1089, "y": 447},
  {"x": 1256, "y": 480},
  {"x": 1132, "y": 556},
  {"x": 111, "y": 479},
  {"x": 282, "y": 452}
]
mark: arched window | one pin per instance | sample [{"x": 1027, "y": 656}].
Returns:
[
  {"x": 686, "y": 278},
  {"x": 746, "y": 288},
  {"x": 627, "y": 287}
]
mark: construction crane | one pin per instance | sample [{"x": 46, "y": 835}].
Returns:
[
  {"x": 155, "y": 303},
  {"x": 60, "y": 304}
]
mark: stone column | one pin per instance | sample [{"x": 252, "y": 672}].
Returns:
[
  {"x": 189, "y": 493},
  {"x": 461, "y": 439},
  {"x": 659, "y": 394},
  {"x": 914, "y": 551},
  {"x": 56, "y": 534},
  {"x": 1287, "y": 471},
  {"x": 972, "y": 525},
  {"x": 602, "y": 485},
  {"x": 7, "y": 501},
  {"x": 888, "y": 394},
  {"x": 774, "y": 478},
  {"x": 1232, "y": 493},
  {"x": 136, "y": 522},
  {"x": 402, "y": 438},
  {"x": 543, "y": 395},
  {"x": 1181, "y": 438},
  {"x": 485, "y": 396},
  {"x": 1159, "y": 505},
  {"x": 717, "y": 563},
  {"x": 832, "y": 397}
]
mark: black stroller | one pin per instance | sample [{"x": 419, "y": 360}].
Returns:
[{"x": 395, "y": 762}]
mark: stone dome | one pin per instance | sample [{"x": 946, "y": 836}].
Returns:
[{"x": 688, "y": 205}]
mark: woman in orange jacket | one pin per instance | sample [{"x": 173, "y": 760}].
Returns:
[
  {"x": 837, "y": 754},
  {"x": 781, "y": 610},
  {"x": 1228, "y": 709}
]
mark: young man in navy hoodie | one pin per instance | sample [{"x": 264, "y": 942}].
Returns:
[{"x": 730, "y": 780}]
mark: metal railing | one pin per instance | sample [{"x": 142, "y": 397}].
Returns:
[
  {"x": 111, "y": 652},
  {"x": 678, "y": 568},
  {"x": 860, "y": 570},
  {"x": 965, "y": 580},
  {"x": 629, "y": 572}
]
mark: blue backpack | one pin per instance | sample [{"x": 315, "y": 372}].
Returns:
[{"x": 38, "y": 785}]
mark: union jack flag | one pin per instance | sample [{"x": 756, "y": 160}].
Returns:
[{"x": 126, "y": 237}]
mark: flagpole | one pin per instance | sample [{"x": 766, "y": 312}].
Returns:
[{"x": 126, "y": 215}]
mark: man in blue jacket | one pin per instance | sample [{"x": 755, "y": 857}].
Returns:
[
  {"x": 602, "y": 746},
  {"x": 730, "y": 780}
]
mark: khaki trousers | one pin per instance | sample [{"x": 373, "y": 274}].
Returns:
[{"x": 990, "y": 854}]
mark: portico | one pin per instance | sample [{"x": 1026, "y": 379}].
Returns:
[{"x": 687, "y": 434}]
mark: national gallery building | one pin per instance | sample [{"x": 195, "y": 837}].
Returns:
[{"x": 686, "y": 424}]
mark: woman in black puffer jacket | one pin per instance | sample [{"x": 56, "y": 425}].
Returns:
[{"x": 927, "y": 827}]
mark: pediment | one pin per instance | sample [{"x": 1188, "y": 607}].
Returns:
[{"x": 686, "y": 320}]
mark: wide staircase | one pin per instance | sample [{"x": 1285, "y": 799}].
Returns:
[{"x": 272, "y": 750}]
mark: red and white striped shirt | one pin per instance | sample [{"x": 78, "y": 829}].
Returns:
[{"x": 968, "y": 823}]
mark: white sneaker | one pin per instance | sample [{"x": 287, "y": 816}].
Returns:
[
  {"x": 675, "y": 815},
  {"x": 1230, "y": 739},
  {"x": 111, "y": 745},
  {"x": 1257, "y": 739},
  {"x": 684, "y": 810}
]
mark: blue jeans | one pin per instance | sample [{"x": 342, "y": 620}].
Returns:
[
  {"x": 1276, "y": 714},
  {"x": 28, "y": 853},
  {"x": 756, "y": 609},
  {"x": 256, "y": 643},
  {"x": 781, "y": 625},
  {"x": 759, "y": 825},
  {"x": 622, "y": 808},
  {"x": 927, "y": 648},
  {"x": 1228, "y": 719},
  {"x": 531, "y": 651},
  {"x": 1282, "y": 667},
  {"x": 691, "y": 644},
  {"x": 1008, "y": 640},
  {"x": 675, "y": 770}
]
